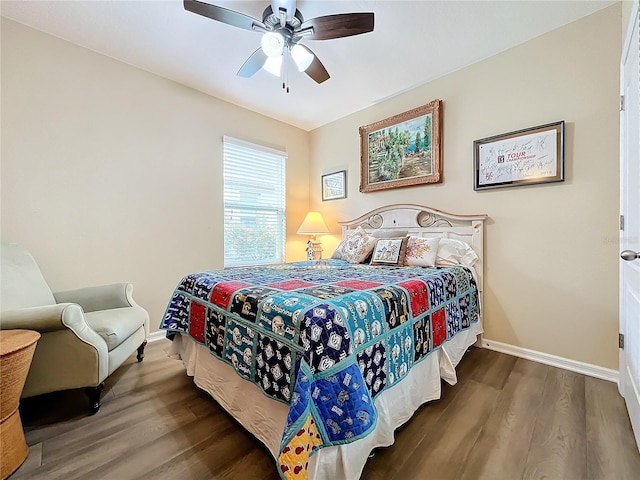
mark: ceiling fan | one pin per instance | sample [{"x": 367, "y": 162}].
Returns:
[{"x": 283, "y": 26}]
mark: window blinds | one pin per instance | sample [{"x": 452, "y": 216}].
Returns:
[{"x": 254, "y": 204}]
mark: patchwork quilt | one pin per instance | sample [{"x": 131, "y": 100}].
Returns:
[{"x": 325, "y": 337}]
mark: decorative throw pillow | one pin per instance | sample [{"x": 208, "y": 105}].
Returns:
[
  {"x": 455, "y": 252},
  {"x": 389, "y": 251},
  {"x": 337, "y": 253},
  {"x": 421, "y": 252},
  {"x": 358, "y": 246}
]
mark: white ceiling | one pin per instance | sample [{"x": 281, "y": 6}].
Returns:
[{"x": 413, "y": 42}]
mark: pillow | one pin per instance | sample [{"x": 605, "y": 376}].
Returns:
[
  {"x": 456, "y": 252},
  {"x": 389, "y": 251},
  {"x": 421, "y": 252},
  {"x": 357, "y": 246},
  {"x": 382, "y": 233},
  {"x": 337, "y": 253}
]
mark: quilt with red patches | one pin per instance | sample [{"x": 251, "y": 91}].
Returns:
[{"x": 325, "y": 337}]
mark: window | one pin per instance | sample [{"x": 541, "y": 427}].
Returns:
[{"x": 254, "y": 204}]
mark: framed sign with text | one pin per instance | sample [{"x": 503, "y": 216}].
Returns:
[{"x": 524, "y": 157}]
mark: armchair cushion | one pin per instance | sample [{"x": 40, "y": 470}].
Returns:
[
  {"x": 22, "y": 283},
  {"x": 117, "y": 324}
]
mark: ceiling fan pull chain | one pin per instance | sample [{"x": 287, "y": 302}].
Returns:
[
  {"x": 284, "y": 69},
  {"x": 287, "y": 73},
  {"x": 285, "y": 83}
]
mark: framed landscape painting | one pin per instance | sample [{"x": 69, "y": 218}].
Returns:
[{"x": 403, "y": 150}]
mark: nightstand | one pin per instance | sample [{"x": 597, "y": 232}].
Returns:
[{"x": 16, "y": 352}]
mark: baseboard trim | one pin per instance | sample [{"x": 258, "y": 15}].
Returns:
[
  {"x": 157, "y": 335},
  {"x": 553, "y": 360}
]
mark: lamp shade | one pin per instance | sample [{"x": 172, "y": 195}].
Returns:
[
  {"x": 302, "y": 57},
  {"x": 272, "y": 44},
  {"x": 273, "y": 65},
  {"x": 313, "y": 224}
]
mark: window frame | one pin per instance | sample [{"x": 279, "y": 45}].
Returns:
[{"x": 266, "y": 208}]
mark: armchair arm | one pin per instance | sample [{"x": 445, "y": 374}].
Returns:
[
  {"x": 69, "y": 353},
  {"x": 50, "y": 318},
  {"x": 103, "y": 297},
  {"x": 46, "y": 318}
]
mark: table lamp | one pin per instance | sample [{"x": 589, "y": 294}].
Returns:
[{"x": 313, "y": 224}]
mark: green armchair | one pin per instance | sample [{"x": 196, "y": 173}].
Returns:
[{"x": 86, "y": 334}]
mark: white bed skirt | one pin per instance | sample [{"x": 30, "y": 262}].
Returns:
[{"x": 266, "y": 418}]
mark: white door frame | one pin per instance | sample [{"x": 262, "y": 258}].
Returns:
[{"x": 628, "y": 385}]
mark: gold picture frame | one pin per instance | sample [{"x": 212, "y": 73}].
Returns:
[{"x": 403, "y": 150}]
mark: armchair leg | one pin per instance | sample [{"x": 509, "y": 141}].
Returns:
[
  {"x": 140, "y": 355},
  {"x": 94, "y": 398}
]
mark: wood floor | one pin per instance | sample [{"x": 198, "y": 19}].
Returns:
[{"x": 507, "y": 418}]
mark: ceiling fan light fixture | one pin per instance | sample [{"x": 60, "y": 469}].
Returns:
[
  {"x": 273, "y": 65},
  {"x": 282, "y": 27},
  {"x": 302, "y": 57},
  {"x": 272, "y": 44}
]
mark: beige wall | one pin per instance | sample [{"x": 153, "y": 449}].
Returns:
[
  {"x": 551, "y": 250},
  {"x": 110, "y": 173},
  {"x": 99, "y": 159}
]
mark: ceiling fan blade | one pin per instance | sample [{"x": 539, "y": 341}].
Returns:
[
  {"x": 223, "y": 15},
  {"x": 252, "y": 64},
  {"x": 340, "y": 25},
  {"x": 316, "y": 70}
]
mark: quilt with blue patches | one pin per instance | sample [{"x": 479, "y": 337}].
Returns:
[{"x": 325, "y": 337}]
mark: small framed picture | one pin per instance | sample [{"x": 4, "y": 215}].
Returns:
[{"x": 334, "y": 185}]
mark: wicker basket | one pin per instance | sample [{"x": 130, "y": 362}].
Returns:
[{"x": 16, "y": 352}]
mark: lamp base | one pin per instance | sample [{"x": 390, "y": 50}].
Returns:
[{"x": 314, "y": 250}]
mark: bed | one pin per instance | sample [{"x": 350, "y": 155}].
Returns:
[{"x": 322, "y": 360}]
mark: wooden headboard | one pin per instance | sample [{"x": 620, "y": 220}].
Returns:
[{"x": 425, "y": 222}]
